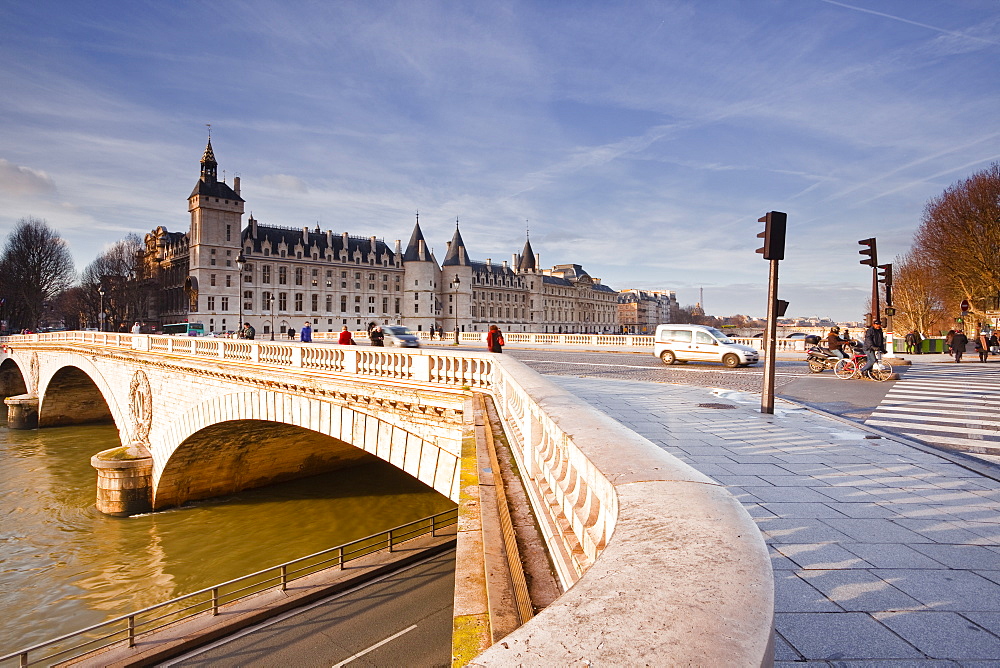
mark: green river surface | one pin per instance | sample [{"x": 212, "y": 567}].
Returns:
[{"x": 65, "y": 566}]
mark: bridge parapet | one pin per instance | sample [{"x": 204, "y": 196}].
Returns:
[{"x": 661, "y": 565}]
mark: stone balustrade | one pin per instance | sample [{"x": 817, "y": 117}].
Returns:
[{"x": 660, "y": 564}]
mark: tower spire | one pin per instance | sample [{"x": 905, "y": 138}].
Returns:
[{"x": 209, "y": 167}]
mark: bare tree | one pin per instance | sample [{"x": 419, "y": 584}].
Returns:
[
  {"x": 115, "y": 270},
  {"x": 916, "y": 295},
  {"x": 35, "y": 266},
  {"x": 959, "y": 241}
]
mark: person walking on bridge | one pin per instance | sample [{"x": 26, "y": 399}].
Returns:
[
  {"x": 494, "y": 340},
  {"x": 958, "y": 343}
]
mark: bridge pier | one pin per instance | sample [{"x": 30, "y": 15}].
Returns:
[
  {"x": 22, "y": 411},
  {"x": 124, "y": 480}
]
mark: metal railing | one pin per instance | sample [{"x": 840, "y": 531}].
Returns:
[{"x": 127, "y": 627}]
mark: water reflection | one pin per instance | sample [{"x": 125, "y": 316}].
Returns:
[{"x": 64, "y": 566}]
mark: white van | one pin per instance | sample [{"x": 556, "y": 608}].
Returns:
[{"x": 698, "y": 343}]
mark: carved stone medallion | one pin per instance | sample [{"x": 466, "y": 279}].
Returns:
[
  {"x": 33, "y": 374},
  {"x": 141, "y": 406}
]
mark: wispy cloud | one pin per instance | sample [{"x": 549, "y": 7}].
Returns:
[{"x": 24, "y": 181}]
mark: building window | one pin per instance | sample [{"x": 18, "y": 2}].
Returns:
[
  {"x": 211, "y": 280},
  {"x": 298, "y": 276},
  {"x": 248, "y": 300},
  {"x": 343, "y": 304},
  {"x": 225, "y": 303},
  {"x": 298, "y": 301},
  {"x": 397, "y": 305},
  {"x": 282, "y": 301},
  {"x": 315, "y": 303},
  {"x": 282, "y": 275},
  {"x": 229, "y": 280},
  {"x": 329, "y": 303},
  {"x": 265, "y": 274},
  {"x": 229, "y": 232},
  {"x": 385, "y": 304},
  {"x": 211, "y": 303}
]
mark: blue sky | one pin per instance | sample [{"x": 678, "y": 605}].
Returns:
[{"x": 639, "y": 139}]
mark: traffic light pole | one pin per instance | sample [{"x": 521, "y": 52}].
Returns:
[{"x": 771, "y": 342}]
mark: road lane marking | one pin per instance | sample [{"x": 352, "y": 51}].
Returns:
[
  {"x": 373, "y": 647},
  {"x": 292, "y": 613}
]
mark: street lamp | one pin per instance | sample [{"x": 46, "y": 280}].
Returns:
[
  {"x": 270, "y": 305},
  {"x": 100, "y": 291},
  {"x": 240, "y": 261},
  {"x": 455, "y": 306}
]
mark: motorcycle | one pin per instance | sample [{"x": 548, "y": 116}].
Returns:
[{"x": 818, "y": 358}]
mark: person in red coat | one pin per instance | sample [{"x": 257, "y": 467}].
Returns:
[
  {"x": 494, "y": 340},
  {"x": 345, "y": 338}
]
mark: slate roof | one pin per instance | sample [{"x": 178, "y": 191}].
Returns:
[{"x": 318, "y": 242}]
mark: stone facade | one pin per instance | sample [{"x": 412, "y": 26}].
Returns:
[
  {"x": 291, "y": 276},
  {"x": 640, "y": 311}
]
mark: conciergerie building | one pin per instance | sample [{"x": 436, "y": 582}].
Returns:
[{"x": 277, "y": 277}]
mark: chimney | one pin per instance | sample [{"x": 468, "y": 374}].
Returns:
[
  {"x": 505, "y": 265},
  {"x": 236, "y": 184},
  {"x": 489, "y": 263},
  {"x": 305, "y": 236}
]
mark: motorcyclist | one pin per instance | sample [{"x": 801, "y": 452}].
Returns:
[
  {"x": 873, "y": 344},
  {"x": 835, "y": 343}
]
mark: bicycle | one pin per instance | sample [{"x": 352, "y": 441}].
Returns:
[{"x": 851, "y": 367}]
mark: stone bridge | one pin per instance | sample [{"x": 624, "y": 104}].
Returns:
[{"x": 659, "y": 564}]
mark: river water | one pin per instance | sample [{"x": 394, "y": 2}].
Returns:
[{"x": 64, "y": 566}]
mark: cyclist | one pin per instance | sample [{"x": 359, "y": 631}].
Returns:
[{"x": 874, "y": 343}]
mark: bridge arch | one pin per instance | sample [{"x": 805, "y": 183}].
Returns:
[
  {"x": 12, "y": 380},
  {"x": 75, "y": 391},
  {"x": 241, "y": 440}
]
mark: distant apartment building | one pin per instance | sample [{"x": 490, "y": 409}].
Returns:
[
  {"x": 221, "y": 273},
  {"x": 640, "y": 311}
]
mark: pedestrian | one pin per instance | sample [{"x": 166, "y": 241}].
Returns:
[
  {"x": 873, "y": 344},
  {"x": 377, "y": 336},
  {"x": 994, "y": 342},
  {"x": 136, "y": 328},
  {"x": 345, "y": 338},
  {"x": 982, "y": 347},
  {"x": 291, "y": 333},
  {"x": 958, "y": 342},
  {"x": 248, "y": 333},
  {"x": 918, "y": 342},
  {"x": 909, "y": 341},
  {"x": 306, "y": 333},
  {"x": 494, "y": 340},
  {"x": 948, "y": 338}
]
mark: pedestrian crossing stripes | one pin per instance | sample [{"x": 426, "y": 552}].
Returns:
[{"x": 952, "y": 406}]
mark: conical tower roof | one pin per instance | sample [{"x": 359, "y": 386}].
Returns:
[
  {"x": 527, "y": 262},
  {"x": 457, "y": 255},
  {"x": 416, "y": 249}
]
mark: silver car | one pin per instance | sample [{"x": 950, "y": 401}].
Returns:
[{"x": 400, "y": 337}]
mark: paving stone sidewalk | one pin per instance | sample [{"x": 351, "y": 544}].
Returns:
[{"x": 883, "y": 554}]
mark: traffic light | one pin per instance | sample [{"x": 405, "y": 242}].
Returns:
[
  {"x": 885, "y": 274},
  {"x": 773, "y": 235},
  {"x": 872, "y": 259}
]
